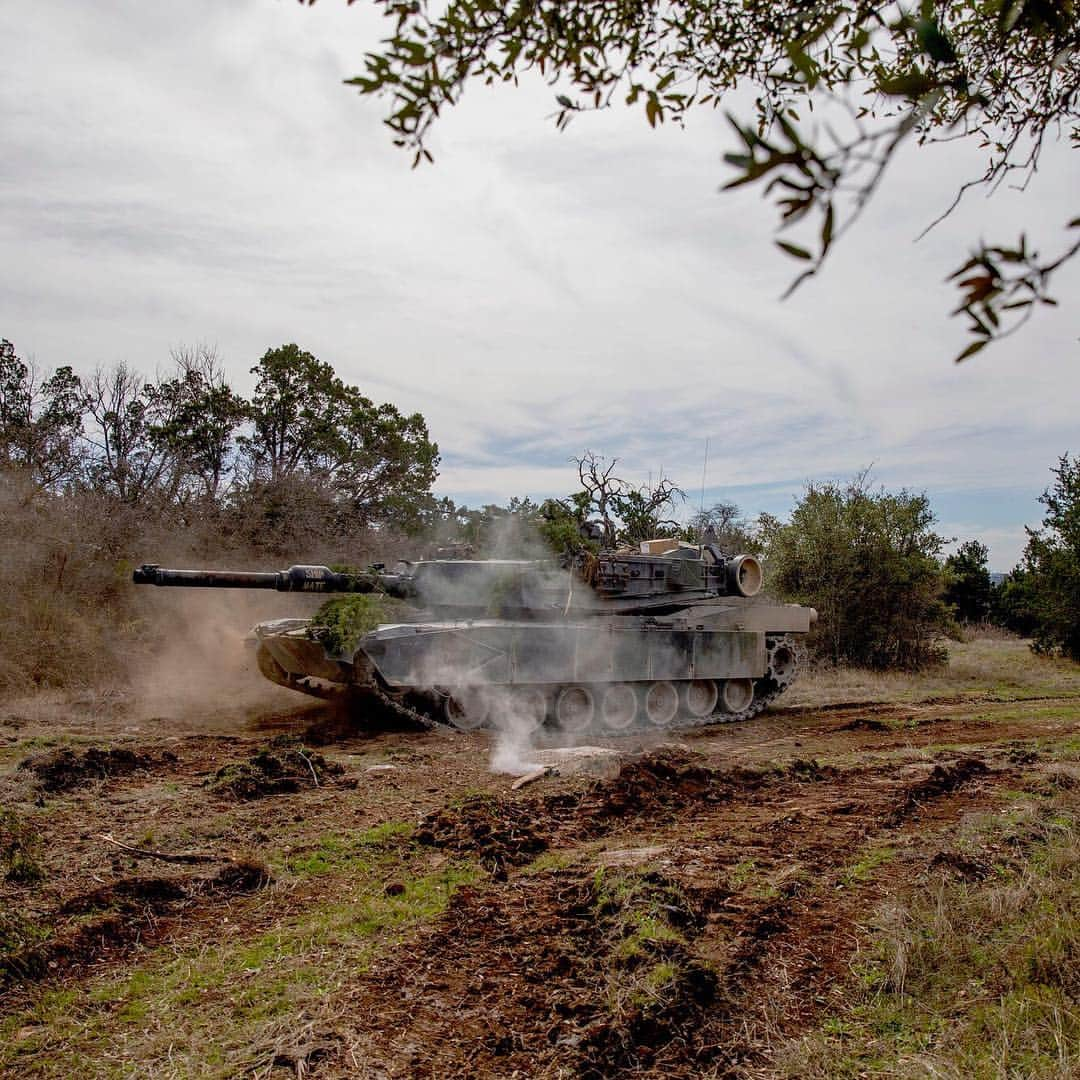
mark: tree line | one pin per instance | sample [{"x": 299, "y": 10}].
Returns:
[
  {"x": 869, "y": 560},
  {"x": 310, "y": 468},
  {"x": 306, "y": 451}
]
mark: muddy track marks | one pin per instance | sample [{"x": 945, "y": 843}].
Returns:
[{"x": 759, "y": 908}]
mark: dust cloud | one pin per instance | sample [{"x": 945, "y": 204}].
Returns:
[{"x": 201, "y": 671}]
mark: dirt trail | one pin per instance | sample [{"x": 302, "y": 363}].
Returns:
[{"x": 674, "y": 918}]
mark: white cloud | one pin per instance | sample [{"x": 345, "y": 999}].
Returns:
[{"x": 198, "y": 172}]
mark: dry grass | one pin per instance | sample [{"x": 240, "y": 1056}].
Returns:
[
  {"x": 71, "y": 618},
  {"x": 993, "y": 665},
  {"x": 977, "y": 971}
]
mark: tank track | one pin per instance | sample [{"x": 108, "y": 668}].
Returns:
[{"x": 430, "y": 715}]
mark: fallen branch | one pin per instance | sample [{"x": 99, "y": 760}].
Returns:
[
  {"x": 314, "y": 776},
  {"x": 164, "y": 856},
  {"x": 529, "y": 777}
]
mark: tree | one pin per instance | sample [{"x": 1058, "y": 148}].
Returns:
[
  {"x": 868, "y": 561},
  {"x": 627, "y": 514},
  {"x": 1013, "y": 602},
  {"x": 724, "y": 522},
  {"x": 308, "y": 428},
  {"x": 197, "y": 416},
  {"x": 1001, "y": 74},
  {"x": 968, "y": 587},
  {"x": 128, "y": 461},
  {"x": 1052, "y": 564},
  {"x": 41, "y": 420}
]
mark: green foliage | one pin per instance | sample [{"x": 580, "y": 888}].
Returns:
[
  {"x": 868, "y": 562},
  {"x": 343, "y": 620},
  {"x": 967, "y": 586},
  {"x": 1001, "y": 74},
  {"x": 41, "y": 420},
  {"x": 1052, "y": 565},
  {"x": 20, "y": 850},
  {"x": 372, "y": 464},
  {"x": 1013, "y": 602}
]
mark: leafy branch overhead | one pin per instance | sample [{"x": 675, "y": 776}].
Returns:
[{"x": 1001, "y": 74}]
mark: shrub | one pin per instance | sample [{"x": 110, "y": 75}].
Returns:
[{"x": 868, "y": 561}]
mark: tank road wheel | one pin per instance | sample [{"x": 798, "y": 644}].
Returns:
[
  {"x": 467, "y": 710},
  {"x": 699, "y": 697},
  {"x": 660, "y": 703},
  {"x": 618, "y": 707},
  {"x": 736, "y": 695},
  {"x": 575, "y": 708},
  {"x": 527, "y": 707}
]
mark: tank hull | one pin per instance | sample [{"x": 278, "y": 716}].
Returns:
[{"x": 729, "y": 652}]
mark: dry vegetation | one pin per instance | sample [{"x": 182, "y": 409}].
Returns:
[{"x": 878, "y": 880}]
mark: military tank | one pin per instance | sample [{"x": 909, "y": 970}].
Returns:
[{"x": 665, "y": 635}]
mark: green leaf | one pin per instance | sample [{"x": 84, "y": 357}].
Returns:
[
  {"x": 971, "y": 350},
  {"x": 1009, "y": 15},
  {"x": 794, "y": 250},
  {"x": 934, "y": 42},
  {"x": 913, "y": 84}
]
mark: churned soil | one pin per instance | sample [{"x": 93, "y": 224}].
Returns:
[{"x": 675, "y": 916}]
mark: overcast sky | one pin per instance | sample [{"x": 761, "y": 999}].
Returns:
[{"x": 197, "y": 172}]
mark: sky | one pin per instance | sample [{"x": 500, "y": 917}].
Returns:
[{"x": 183, "y": 173}]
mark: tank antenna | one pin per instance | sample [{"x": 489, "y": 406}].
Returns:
[{"x": 704, "y": 471}]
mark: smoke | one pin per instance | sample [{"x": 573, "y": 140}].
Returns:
[{"x": 515, "y": 736}]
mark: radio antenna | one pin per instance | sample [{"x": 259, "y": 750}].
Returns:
[{"x": 704, "y": 471}]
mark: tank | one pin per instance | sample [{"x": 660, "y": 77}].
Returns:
[{"x": 665, "y": 635}]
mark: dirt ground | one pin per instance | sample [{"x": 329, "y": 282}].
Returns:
[{"x": 268, "y": 889}]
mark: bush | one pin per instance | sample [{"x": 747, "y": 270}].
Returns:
[
  {"x": 868, "y": 561},
  {"x": 1052, "y": 565}
]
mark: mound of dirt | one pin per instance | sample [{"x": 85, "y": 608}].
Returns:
[
  {"x": 651, "y": 781},
  {"x": 123, "y": 912},
  {"x": 942, "y": 779},
  {"x": 864, "y": 723},
  {"x": 126, "y": 894},
  {"x": 673, "y": 777},
  {"x": 243, "y": 875},
  {"x": 65, "y": 769},
  {"x": 956, "y": 864},
  {"x": 497, "y": 833},
  {"x": 278, "y": 769}
]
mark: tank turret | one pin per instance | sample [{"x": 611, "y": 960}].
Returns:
[{"x": 668, "y": 634}]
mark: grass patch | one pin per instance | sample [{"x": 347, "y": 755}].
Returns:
[
  {"x": 549, "y": 862},
  {"x": 211, "y": 1011},
  {"x": 20, "y": 850},
  {"x": 360, "y": 852},
  {"x": 643, "y": 920},
  {"x": 864, "y": 867},
  {"x": 975, "y": 975},
  {"x": 1002, "y": 668}
]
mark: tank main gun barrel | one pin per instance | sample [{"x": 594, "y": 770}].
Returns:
[{"x": 295, "y": 579}]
